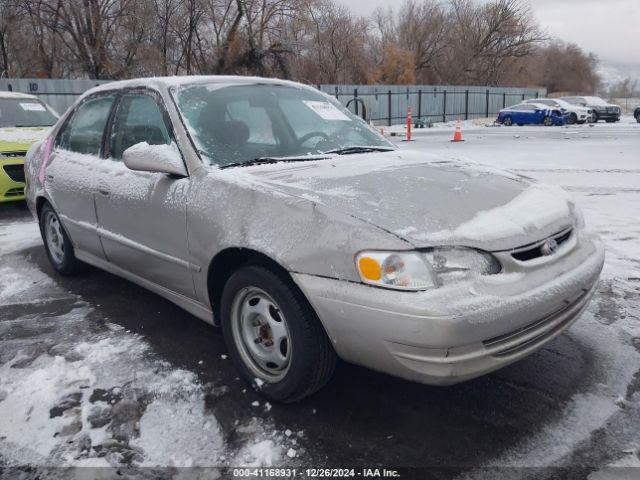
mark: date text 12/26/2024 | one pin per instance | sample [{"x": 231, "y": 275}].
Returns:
[{"x": 315, "y": 473}]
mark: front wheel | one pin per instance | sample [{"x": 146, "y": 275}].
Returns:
[
  {"x": 58, "y": 244},
  {"x": 507, "y": 122},
  {"x": 573, "y": 119},
  {"x": 547, "y": 121},
  {"x": 638, "y": 119},
  {"x": 273, "y": 335}
]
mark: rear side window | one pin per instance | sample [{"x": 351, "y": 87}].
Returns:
[
  {"x": 138, "y": 119},
  {"x": 84, "y": 130}
]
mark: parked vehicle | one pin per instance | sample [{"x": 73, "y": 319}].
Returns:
[
  {"x": 572, "y": 113},
  {"x": 602, "y": 110},
  {"x": 267, "y": 208},
  {"x": 23, "y": 120},
  {"x": 636, "y": 114},
  {"x": 530, "y": 114}
]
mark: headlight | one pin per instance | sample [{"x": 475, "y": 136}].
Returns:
[
  {"x": 415, "y": 271},
  {"x": 451, "y": 264},
  {"x": 397, "y": 270}
]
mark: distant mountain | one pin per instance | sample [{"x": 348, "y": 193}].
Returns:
[{"x": 612, "y": 72}]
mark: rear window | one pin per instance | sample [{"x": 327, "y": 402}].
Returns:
[{"x": 25, "y": 112}]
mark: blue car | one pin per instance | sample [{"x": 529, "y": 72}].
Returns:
[{"x": 531, "y": 114}]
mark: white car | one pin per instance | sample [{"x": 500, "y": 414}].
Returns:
[{"x": 574, "y": 113}]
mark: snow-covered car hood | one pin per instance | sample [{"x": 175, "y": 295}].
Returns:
[
  {"x": 14, "y": 139},
  {"x": 427, "y": 200}
]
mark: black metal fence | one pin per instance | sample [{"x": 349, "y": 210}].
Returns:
[{"x": 388, "y": 104}]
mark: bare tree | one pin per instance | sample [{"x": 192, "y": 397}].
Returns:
[
  {"x": 422, "y": 30},
  {"x": 486, "y": 37},
  {"x": 495, "y": 42}
]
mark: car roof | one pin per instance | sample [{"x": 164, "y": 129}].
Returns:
[
  {"x": 539, "y": 105},
  {"x": 5, "y": 94},
  {"x": 173, "y": 81}
]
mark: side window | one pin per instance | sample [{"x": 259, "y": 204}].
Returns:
[
  {"x": 138, "y": 119},
  {"x": 84, "y": 130}
]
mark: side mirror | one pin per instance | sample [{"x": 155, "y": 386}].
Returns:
[{"x": 143, "y": 157}]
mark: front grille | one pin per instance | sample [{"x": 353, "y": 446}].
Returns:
[
  {"x": 15, "y": 172},
  {"x": 15, "y": 192},
  {"x": 13, "y": 154},
  {"x": 522, "y": 338},
  {"x": 536, "y": 250}
]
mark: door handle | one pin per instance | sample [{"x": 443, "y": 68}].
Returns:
[{"x": 103, "y": 192}]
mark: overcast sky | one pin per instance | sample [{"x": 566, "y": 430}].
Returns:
[{"x": 608, "y": 28}]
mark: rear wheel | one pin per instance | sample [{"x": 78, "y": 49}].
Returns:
[
  {"x": 594, "y": 117},
  {"x": 547, "y": 121},
  {"x": 57, "y": 243},
  {"x": 507, "y": 122},
  {"x": 638, "y": 118},
  {"x": 273, "y": 335}
]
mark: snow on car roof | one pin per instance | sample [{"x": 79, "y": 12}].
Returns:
[
  {"x": 172, "y": 81},
  {"x": 538, "y": 105},
  {"x": 5, "y": 94}
]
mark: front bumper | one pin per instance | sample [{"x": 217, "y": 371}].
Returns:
[
  {"x": 451, "y": 334},
  {"x": 608, "y": 115},
  {"x": 11, "y": 179}
]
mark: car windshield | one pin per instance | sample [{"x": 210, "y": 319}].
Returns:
[
  {"x": 596, "y": 101},
  {"x": 25, "y": 112},
  {"x": 562, "y": 103},
  {"x": 241, "y": 124}
]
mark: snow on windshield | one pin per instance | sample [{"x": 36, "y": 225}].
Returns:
[{"x": 238, "y": 123}]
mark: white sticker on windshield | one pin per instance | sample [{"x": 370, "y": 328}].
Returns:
[
  {"x": 32, "y": 107},
  {"x": 326, "y": 110}
]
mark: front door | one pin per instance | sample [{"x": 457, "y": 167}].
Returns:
[
  {"x": 142, "y": 216},
  {"x": 69, "y": 176}
]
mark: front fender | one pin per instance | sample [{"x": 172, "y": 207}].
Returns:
[{"x": 231, "y": 209}]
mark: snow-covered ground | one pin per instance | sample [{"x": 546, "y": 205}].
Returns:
[{"x": 78, "y": 388}]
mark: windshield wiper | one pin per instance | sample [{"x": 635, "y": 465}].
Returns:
[
  {"x": 268, "y": 160},
  {"x": 359, "y": 149}
]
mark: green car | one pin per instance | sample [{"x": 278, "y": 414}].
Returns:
[{"x": 24, "y": 120}]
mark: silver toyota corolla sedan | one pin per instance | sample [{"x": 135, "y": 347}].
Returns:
[{"x": 267, "y": 208}]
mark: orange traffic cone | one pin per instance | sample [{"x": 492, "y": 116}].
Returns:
[{"x": 457, "y": 137}]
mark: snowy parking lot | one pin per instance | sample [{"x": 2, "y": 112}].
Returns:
[{"x": 95, "y": 371}]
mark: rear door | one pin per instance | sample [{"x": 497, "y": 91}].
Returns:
[
  {"x": 142, "y": 216},
  {"x": 527, "y": 114},
  {"x": 70, "y": 174}
]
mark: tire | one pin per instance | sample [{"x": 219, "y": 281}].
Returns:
[
  {"x": 594, "y": 117},
  {"x": 58, "y": 244},
  {"x": 573, "y": 119},
  {"x": 291, "y": 356},
  {"x": 547, "y": 121},
  {"x": 507, "y": 122},
  {"x": 638, "y": 118}
]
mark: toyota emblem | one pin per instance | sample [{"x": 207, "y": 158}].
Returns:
[{"x": 549, "y": 247}]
